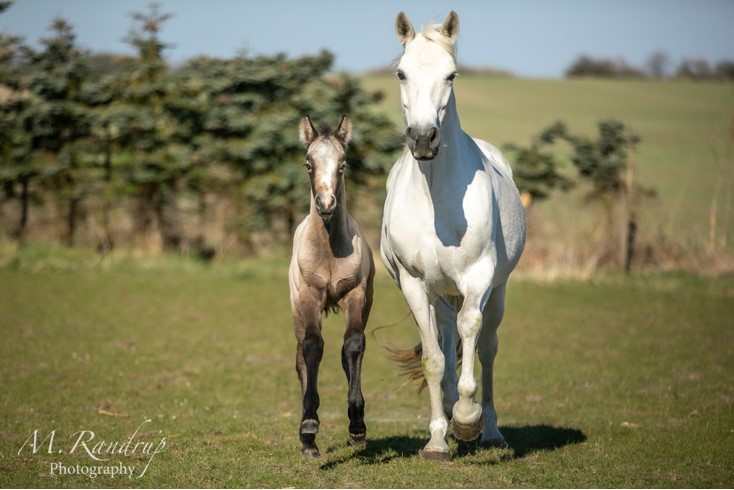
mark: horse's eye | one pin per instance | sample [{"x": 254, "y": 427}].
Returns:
[
  {"x": 451, "y": 77},
  {"x": 401, "y": 75},
  {"x": 308, "y": 166},
  {"x": 342, "y": 167}
]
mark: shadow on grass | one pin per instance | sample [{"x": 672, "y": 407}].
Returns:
[
  {"x": 529, "y": 439},
  {"x": 522, "y": 440}
]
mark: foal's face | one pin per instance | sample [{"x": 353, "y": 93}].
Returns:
[
  {"x": 426, "y": 72},
  {"x": 326, "y": 160}
]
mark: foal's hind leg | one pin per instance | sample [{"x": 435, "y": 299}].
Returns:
[
  {"x": 309, "y": 352},
  {"x": 356, "y": 306}
]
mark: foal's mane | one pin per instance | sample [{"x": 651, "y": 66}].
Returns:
[{"x": 325, "y": 130}]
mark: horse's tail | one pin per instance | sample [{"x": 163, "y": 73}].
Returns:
[{"x": 409, "y": 360}]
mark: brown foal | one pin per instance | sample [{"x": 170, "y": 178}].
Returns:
[{"x": 331, "y": 267}]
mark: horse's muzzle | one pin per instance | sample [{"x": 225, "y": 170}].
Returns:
[
  {"x": 423, "y": 142},
  {"x": 326, "y": 207}
]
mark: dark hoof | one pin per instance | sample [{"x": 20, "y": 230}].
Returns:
[
  {"x": 357, "y": 440},
  {"x": 310, "y": 426},
  {"x": 310, "y": 452},
  {"x": 467, "y": 432},
  {"x": 498, "y": 443},
  {"x": 434, "y": 455}
]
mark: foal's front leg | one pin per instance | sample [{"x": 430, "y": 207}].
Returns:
[
  {"x": 356, "y": 307},
  {"x": 309, "y": 351}
]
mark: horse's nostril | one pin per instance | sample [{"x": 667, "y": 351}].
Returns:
[
  {"x": 318, "y": 202},
  {"x": 433, "y": 135},
  {"x": 410, "y": 133}
]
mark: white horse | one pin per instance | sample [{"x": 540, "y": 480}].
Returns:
[{"x": 452, "y": 231}]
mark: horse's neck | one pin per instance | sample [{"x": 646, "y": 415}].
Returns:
[
  {"x": 445, "y": 169},
  {"x": 336, "y": 232}
]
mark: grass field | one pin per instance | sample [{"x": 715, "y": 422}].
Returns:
[
  {"x": 610, "y": 383},
  {"x": 681, "y": 125}
]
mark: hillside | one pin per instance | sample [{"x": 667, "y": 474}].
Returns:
[{"x": 683, "y": 125}]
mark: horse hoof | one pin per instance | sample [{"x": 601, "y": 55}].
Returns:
[
  {"x": 498, "y": 443},
  {"x": 357, "y": 440},
  {"x": 434, "y": 455},
  {"x": 310, "y": 452},
  {"x": 467, "y": 432},
  {"x": 310, "y": 426}
]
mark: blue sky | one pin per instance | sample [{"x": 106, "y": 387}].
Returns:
[{"x": 527, "y": 37}]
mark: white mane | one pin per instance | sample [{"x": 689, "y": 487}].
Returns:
[{"x": 433, "y": 33}]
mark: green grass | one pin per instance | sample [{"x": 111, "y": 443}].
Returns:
[
  {"x": 681, "y": 124},
  {"x": 611, "y": 383}
]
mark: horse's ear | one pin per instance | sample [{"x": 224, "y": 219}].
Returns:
[
  {"x": 344, "y": 132},
  {"x": 450, "y": 26},
  {"x": 404, "y": 28},
  {"x": 306, "y": 131}
]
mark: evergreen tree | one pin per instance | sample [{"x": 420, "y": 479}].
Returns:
[
  {"x": 57, "y": 119},
  {"x": 17, "y": 171},
  {"x": 146, "y": 129}
]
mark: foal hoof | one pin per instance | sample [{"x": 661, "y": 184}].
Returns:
[
  {"x": 357, "y": 440},
  {"x": 311, "y": 452},
  {"x": 466, "y": 432},
  {"x": 434, "y": 455},
  {"x": 310, "y": 426}
]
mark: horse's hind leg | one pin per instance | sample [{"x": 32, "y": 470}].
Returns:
[
  {"x": 446, "y": 310},
  {"x": 487, "y": 349},
  {"x": 356, "y": 307},
  {"x": 309, "y": 352}
]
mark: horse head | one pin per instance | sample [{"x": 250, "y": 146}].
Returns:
[
  {"x": 326, "y": 160},
  {"x": 426, "y": 71}
]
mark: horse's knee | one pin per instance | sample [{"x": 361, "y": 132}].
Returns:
[
  {"x": 313, "y": 348},
  {"x": 354, "y": 343},
  {"x": 433, "y": 365},
  {"x": 469, "y": 323}
]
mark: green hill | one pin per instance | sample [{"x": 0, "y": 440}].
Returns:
[{"x": 683, "y": 126}]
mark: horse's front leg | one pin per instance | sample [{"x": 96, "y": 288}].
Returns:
[
  {"x": 466, "y": 420},
  {"x": 356, "y": 307},
  {"x": 309, "y": 351},
  {"x": 432, "y": 362}
]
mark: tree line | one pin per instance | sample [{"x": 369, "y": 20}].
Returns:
[
  {"x": 125, "y": 150},
  {"x": 657, "y": 66},
  {"x": 99, "y": 140}
]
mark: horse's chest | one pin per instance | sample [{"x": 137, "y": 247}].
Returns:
[
  {"x": 334, "y": 276},
  {"x": 437, "y": 244},
  {"x": 424, "y": 253}
]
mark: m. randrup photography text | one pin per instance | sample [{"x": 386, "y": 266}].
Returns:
[{"x": 107, "y": 455}]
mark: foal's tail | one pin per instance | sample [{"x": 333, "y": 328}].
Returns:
[{"x": 409, "y": 360}]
